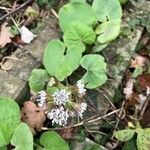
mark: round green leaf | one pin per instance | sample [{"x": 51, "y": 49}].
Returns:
[
  {"x": 9, "y": 119},
  {"x": 80, "y": 12},
  {"x": 107, "y": 9},
  {"x": 108, "y": 31},
  {"x": 60, "y": 62},
  {"x": 78, "y": 34},
  {"x": 143, "y": 139},
  {"x": 25, "y": 142},
  {"x": 52, "y": 141},
  {"x": 124, "y": 135},
  {"x": 38, "y": 79},
  {"x": 96, "y": 70}
]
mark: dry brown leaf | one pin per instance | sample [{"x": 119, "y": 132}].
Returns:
[
  {"x": 144, "y": 81},
  {"x": 138, "y": 61},
  {"x": 128, "y": 90},
  {"x": 5, "y": 35},
  {"x": 33, "y": 116}
]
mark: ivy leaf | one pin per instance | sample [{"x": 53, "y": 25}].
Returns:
[
  {"x": 78, "y": 34},
  {"x": 124, "y": 135},
  {"x": 96, "y": 70},
  {"x": 73, "y": 12},
  {"x": 107, "y": 9},
  {"x": 52, "y": 141},
  {"x": 143, "y": 139},
  {"x": 25, "y": 142},
  {"x": 38, "y": 79},
  {"x": 9, "y": 119},
  {"x": 59, "y": 64},
  {"x": 108, "y": 31}
]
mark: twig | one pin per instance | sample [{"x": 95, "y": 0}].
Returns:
[
  {"x": 83, "y": 122},
  {"x": 17, "y": 9},
  {"x": 144, "y": 107},
  {"x": 3, "y": 60},
  {"x": 54, "y": 13}
]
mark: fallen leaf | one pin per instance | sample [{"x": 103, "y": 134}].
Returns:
[
  {"x": 144, "y": 81},
  {"x": 128, "y": 90},
  {"x": 138, "y": 61},
  {"x": 5, "y": 35},
  {"x": 26, "y": 35},
  {"x": 33, "y": 116}
]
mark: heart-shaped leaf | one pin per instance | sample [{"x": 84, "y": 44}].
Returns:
[
  {"x": 38, "y": 79},
  {"x": 52, "y": 141},
  {"x": 80, "y": 12},
  {"x": 78, "y": 34},
  {"x": 96, "y": 70},
  {"x": 107, "y": 9},
  {"x": 59, "y": 64},
  {"x": 108, "y": 31},
  {"x": 9, "y": 119},
  {"x": 124, "y": 135},
  {"x": 25, "y": 142},
  {"x": 143, "y": 139}
]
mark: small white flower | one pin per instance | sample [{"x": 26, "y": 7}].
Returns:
[
  {"x": 41, "y": 99},
  {"x": 81, "y": 87},
  {"x": 80, "y": 108},
  {"x": 61, "y": 97},
  {"x": 59, "y": 116}
]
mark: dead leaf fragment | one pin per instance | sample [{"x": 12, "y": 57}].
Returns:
[
  {"x": 5, "y": 35},
  {"x": 138, "y": 61},
  {"x": 26, "y": 35},
  {"x": 128, "y": 90},
  {"x": 33, "y": 116}
]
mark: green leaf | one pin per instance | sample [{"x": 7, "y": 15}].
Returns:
[
  {"x": 80, "y": 12},
  {"x": 107, "y": 9},
  {"x": 52, "y": 141},
  {"x": 124, "y": 135},
  {"x": 78, "y": 34},
  {"x": 59, "y": 64},
  {"x": 108, "y": 31},
  {"x": 81, "y": 1},
  {"x": 96, "y": 70},
  {"x": 38, "y": 79},
  {"x": 143, "y": 139},
  {"x": 3, "y": 148},
  {"x": 130, "y": 145},
  {"x": 137, "y": 71},
  {"x": 98, "y": 47},
  {"x": 22, "y": 138},
  {"x": 9, "y": 119}
]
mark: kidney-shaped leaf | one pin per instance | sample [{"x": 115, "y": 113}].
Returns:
[
  {"x": 107, "y": 9},
  {"x": 96, "y": 70},
  {"x": 22, "y": 138},
  {"x": 108, "y": 31},
  {"x": 143, "y": 139},
  {"x": 78, "y": 34},
  {"x": 59, "y": 64},
  {"x": 81, "y": 12},
  {"x": 38, "y": 79},
  {"x": 9, "y": 119},
  {"x": 124, "y": 135},
  {"x": 52, "y": 141}
]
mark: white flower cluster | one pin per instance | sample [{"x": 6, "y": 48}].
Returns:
[
  {"x": 81, "y": 87},
  {"x": 61, "y": 97},
  {"x": 59, "y": 116},
  {"x": 41, "y": 99}
]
